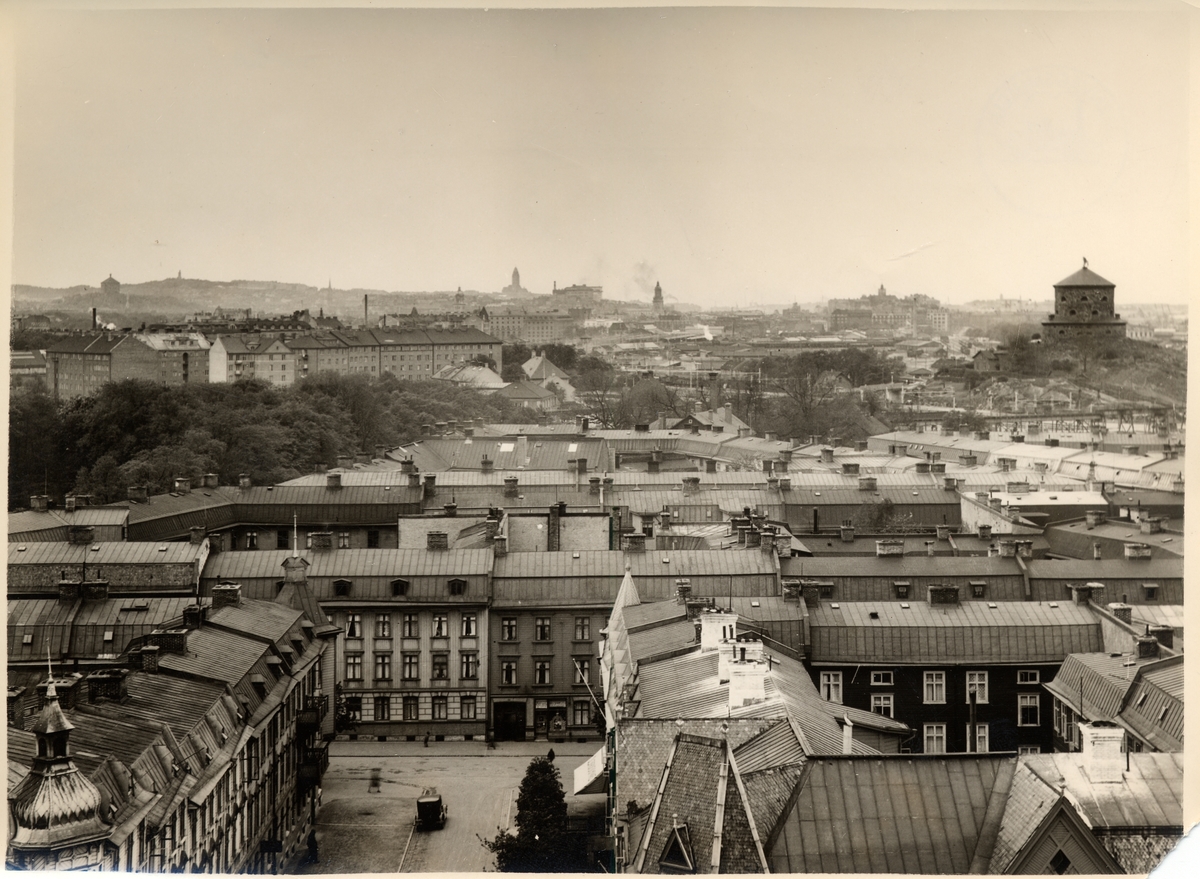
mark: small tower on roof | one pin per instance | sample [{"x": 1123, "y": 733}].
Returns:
[{"x": 55, "y": 809}]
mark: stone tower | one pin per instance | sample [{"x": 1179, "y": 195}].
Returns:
[
  {"x": 658, "y": 297},
  {"x": 1084, "y": 307}
]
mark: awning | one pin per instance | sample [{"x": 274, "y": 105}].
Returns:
[{"x": 591, "y": 776}]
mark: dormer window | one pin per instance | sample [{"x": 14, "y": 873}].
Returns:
[
  {"x": 458, "y": 586},
  {"x": 1150, "y": 591},
  {"x": 677, "y": 854},
  {"x": 341, "y": 588},
  {"x": 901, "y": 587},
  {"x": 978, "y": 588},
  {"x": 399, "y": 587}
]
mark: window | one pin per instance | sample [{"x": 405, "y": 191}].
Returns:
[
  {"x": 977, "y": 681},
  {"x": 468, "y": 625},
  {"x": 282, "y": 540},
  {"x": 383, "y": 625},
  {"x": 441, "y": 628},
  {"x": 901, "y": 587},
  {"x": 831, "y": 686},
  {"x": 508, "y": 671},
  {"x": 935, "y": 687},
  {"x": 412, "y": 626},
  {"x": 583, "y": 713},
  {"x": 541, "y": 629},
  {"x": 978, "y": 588},
  {"x": 399, "y": 587},
  {"x": 383, "y": 708},
  {"x": 468, "y": 666},
  {"x": 458, "y": 587},
  {"x": 881, "y": 679},
  {"x": 1060, "y": 863},
  {"x": 373, "y": 538},
  {"x": 981, "y": 737},
  {"x": 354, "y": 625},
  {"x": 1150, "y": 591},
  {"x": 1028, "y": 710},
  {"x": 383, "y": 666},
  {"x": 251, "y": 540},
  {"x": 354, "y": 666},
  {"x": 411, "y": 669},
  {"x": 541, "y": 671},
  {"x": 583, "y": 628},
  {"x": 583, "y": 670},
  {"x": 441, "y": 666},
  {"x": 466, "y": 707},
  {"x": 508, "y": 629},
  {"x": 825, "y": 590},
  {"x": 1058, "y": 717},
  {"x": 1029, "y": 749},
  {"x": 935, "y": 738},
  {"x": 410, "y": 708},
  {"x": 354, "y": 708},
  {"x": 1029, "y": 676},
  {"x": 343, "y": 540},
  {"x": 881, "y": 703},
  {"x": 341, "y": 587},
  {"x": 439, "y": 708}
]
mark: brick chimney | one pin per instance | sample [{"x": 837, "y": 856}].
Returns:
[
  {"x": 950, "y": 483},
  {"x": 810, "y": 591},
  {"x": 406, "y": 465},
  {"x": 226, "y": 595},
  {"x": 1121, "y": 611},
  {"x": 1139, "y": 551},
  {"x": 1008, "y": 549},
  {"x": 244, "y": 480},
  {"x": 170, "y": 640},
  {"x": 847, "y": 531},
  {"x": 929, "y": 545},
  {"x": 95, "y": 590},
  {"x": 635, "y": 542},
  {"x": 437, "y": 540},
  {"x": 889, "y": 548},
  {"x": 486, "y": 464},
  {"x": 826, "y": 455},
  {"x": 333, "y": 481},
  {"x": 922, "y": 467},
  {"x": 183, "y": 484},
  {"x": 1147, "y": 645},
  {"x": 866, "y": 483},
  {"x": 943, "y": 595},
  {"x": 196, "y": 535},
  {"x": 1150, "y": 525},
  {"x": 193, "y": 616},
  {"x": 69, "y": 590},
  {"x": 785, "y": 483},
  {"x": 1094, "y": 517},
  {"x": 850, "y": 468},
  {"x": 430, "y": 485},
  {"x": 138, "y": 494},
  {"x": 943, "y": 532},
  {"x": 968, "y": 460},
  {"x": 210, "y": 480},
  {"x": 984, "y": 531},
  {"x": 1096, "y": 551},
  {"x": 108, "y": 683},
  {"x": 40, "y": 503},
  {"x": 1164, "y": 635},
  {"x": 1085, "y": 593},
  {"x": 500, "y": 545},
  {"x": 80, "y": 535},
  {"x": 149, "y": 656},
  {"x": 414, "y": 479},
  {"x": 691, "y": 484},
  {"x": 510, "y": 486},
  {"x": 346, "y": 462}
]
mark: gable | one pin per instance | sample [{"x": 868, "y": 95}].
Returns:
[{"x": 1063, "y": 844}]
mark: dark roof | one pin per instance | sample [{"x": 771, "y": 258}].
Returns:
[
  {"x": 1161, "y": 568},
  {"x": 895, "y": 814},
  {"x": 1085, "y": 277}
]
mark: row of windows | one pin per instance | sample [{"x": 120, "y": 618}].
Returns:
[
  {"x": 410, "y": 626},
  {"x": 542, "y": 629},
  {"x": 410, "y": 708},
  {"x": 410, "y": 666},
  {"x": 934, "y": 684},
  {"x": 542, "y": 670}
]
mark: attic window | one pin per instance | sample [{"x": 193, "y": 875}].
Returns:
[
  {"x": 978, "y": 588},
  {"x": 28, "y": 639},
  {"x": 341, "y": 587},
  {"x": 1142, "y": 700},
  {"x": 458, "y": 586},
  {"x": 1150, "y": 591},
  {"x": 677, "y": 854},
  {"x": 901, "y": 587},
  {"x": 108, "y": 635},
  {"x": 1162, "y": 715},
  {"x": 399, "y": 587}
]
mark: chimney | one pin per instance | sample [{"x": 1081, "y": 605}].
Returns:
[
  {"x": 710, "y": 466},
  {"x": 1138, "y": 551},
  {"x": 1150, "y": 525},
  {"x": 1008, "y": 549},
  {"x": 209, "y": 480},
  {"x": 889, "y": 548},
  {"x": 943, "y": 532},
  {"x": 1094, "y": 517},
  {"x": 406, "y": 465},
  {"x": 922, "y": 467},
  {"x": 1147, "y": 645},
  {"x": 985, "y": 532},
  {"x": 150, "y": 658},
  {"x": 196, "y": 535},
  {"x": 138, "y": 494},
  {"x": 510, "y": 486},
  {"x": 244, "y": 480},
  {"x": 69, "y": 590},
  {"x": 80, "y": 535},
  {"x": 486, "y": 464},
  {"x": 581, "y": 467},
  {"x": 1131, "y": 450},
  {"x": 768, "y": 541},
  {"x": 346, "y": 462},
  {"x": 594, "y": 485},
  {"x": 861, "y": 445},
  {"x": 426, "y": 429},
  {"x": 683, "y": 591},
  {"x": 1103, "y": 756},
  {"x": 810, "y": 591},
  {"x": 994, "y": 503},
  {"x": 826, "y": 455},
  {"x": 747, "y": 682},
  {"x": 652, "y": 466},
  {"x": 193, "y": 616},
  {"x": 937, "y": 467},
  {"x": 635, "y": 542},
  {"x": 716, "y": 626},
  {"x": 170, "y": 641},
  {"x": 108, "y": 683},
  {"x": 450, "y": 509},
  {"x": 1164, "y": 634},
  {"x": 333, "y": 481},
  {"x": 322, "y": 541},
  {"x": 437, "y": 540},
  {"x": 500, "y": 545},
  {"x": 866, "y": 483},
  {"x": 414, "y": 479},
  {"x": 430, "y": 485},
  {"x": 1025, "y": 549},
  {"x": 1096, "y": 553},
  {"x": 785, "y": 483},
  {"x": 967, "y": 460},
  {"x": 95, "y": 590},
  {"x": 226, "y": 595},
  {"x": 929, "y": 545},
  {"x": 847, "y": 531},
  {"x": 183, "y": 484},
  {"x": 943, "y": 595},
  {"x": 850, "y": 468},
  {"x": 785, "y": 458},
  {"x": 773, "y": 483},
  {"x": 950, "y": 483},
  {"x": 1085, "y": 593},
  {"x": 691, "y": 484},
  {"x": 1121, "y": 611},
  {"x": 753, "y": 537},
  {"x": 847, "y": 735}
]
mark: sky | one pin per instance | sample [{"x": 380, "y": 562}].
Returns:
[{"x": 737, "y": 156}]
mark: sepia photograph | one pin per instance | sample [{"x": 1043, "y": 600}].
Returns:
[{"x": 742, "y": 438}]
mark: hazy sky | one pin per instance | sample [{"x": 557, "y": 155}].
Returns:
[{"x": 735, "y": 155}]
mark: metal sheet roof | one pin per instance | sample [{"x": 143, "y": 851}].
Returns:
[
  {"x": 352, "y": 563},
  {"x": 612, "y": 563},
  {"x": 106, "y": 553},
  {"x": 1161, "y": 568},
  {"x": 903, "y": 567}
]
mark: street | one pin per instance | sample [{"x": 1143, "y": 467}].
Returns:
[{"x": 364, "y": 827}]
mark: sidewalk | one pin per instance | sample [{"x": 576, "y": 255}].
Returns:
[{"x": 463, "y": 749}]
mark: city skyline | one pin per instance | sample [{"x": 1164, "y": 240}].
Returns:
[{"x": 734, "y": 155}]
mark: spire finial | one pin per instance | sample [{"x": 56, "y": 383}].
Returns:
[
  {"x": 1085, "y": 262},
  {"x": 295, "y": 538}
]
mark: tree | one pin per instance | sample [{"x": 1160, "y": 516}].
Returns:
[
  {"x": 514, "y": 355},
  {"x": 564, "y": 357},
  {"x": 542, "y": 843}
]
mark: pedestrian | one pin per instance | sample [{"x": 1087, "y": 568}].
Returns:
[
  {"x": 426, "y": 740},
  {"x": 550, "y": 756},
  {"x": 312, "y": 846},
  {"x": 376, "y": 775}
]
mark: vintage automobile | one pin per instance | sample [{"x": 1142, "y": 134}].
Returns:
[{"x": 431, "y": 811}]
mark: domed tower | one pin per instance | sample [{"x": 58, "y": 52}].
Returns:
[
  {"x": 55, "y": 809},
  {"x": 658, "y": 300}
]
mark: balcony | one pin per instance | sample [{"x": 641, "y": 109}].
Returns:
[
  {"x": 308, "y": 719},
  {"x": 312, "y": 767}
]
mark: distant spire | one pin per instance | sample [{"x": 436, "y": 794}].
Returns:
[{"x": 295, "y": 538}]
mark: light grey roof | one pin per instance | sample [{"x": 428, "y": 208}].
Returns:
[{"x": 106, "y": 553}]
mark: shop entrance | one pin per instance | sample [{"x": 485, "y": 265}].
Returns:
[{"x": 509, "y": 720}]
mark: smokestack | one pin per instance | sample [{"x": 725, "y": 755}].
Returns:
[
  {"x": 366, "y": 323},
  {"x": 93, "y": 318}
]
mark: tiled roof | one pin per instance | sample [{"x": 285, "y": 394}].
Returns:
[
  {"x": 976, "y": 631},
  {"x": 896, "y": 814}
]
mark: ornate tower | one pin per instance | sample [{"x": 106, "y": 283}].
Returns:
[
  {"x": 55, "y": 809},
  {"x": 658, "y": 299},
  {"x": 516, "y": 280}
]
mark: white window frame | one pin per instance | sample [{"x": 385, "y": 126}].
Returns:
[
  {"x": 1024, "y": 750},
  {"x": 935, "y": 733},
  {"x": 935, "y": 688},
  {"x": 1029, "y": 676},
  {"x": 883, "y": 704},
  {"x": 882, "y": 679},
  {"x": 1024, "y": 700},
  {"x": 981, "y": 738},
  {"x": 978, "y": 680},
  {"x": 831, "y": 686}
]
